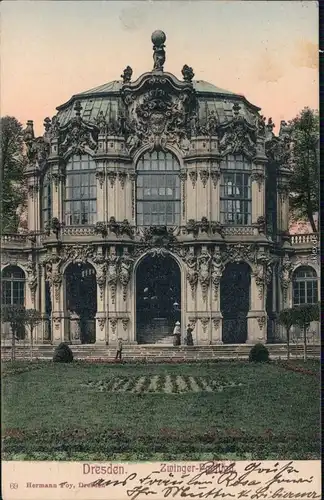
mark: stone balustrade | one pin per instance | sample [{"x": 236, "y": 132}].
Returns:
[{"x": 310, "y": 239}]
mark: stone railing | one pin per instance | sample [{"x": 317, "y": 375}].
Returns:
[
  {"x": 14, "y": 238},
  {"x": 238, "y": 230},
  {"x": 310, "y": 239}
]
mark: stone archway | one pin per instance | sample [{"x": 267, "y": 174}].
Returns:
[
  {"x": 235, "y": 302},
  {"x": 81, "y": 302},
  {"x": 158, "y": 298}
]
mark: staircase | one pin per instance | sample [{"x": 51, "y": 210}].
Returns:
[
  {"x": 158, "y": 331},
  {"x": 160, "y": 352}
]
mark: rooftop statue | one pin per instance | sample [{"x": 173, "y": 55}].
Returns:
[
  {"x": 158, "y": 38},
  {"x": 187, "y": 73},
  {"x": 127, "y": 74}
]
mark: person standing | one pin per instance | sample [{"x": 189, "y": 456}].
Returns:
[
  {"x": 119, "y": 349},
  {"x": 189, "y": 339},
  {"x": 176, "y": 334}
]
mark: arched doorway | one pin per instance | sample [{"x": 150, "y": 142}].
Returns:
[
  {"x": 235, "y": 302},
  {"x": 158, "y": 299},
  {"x": 81, "y": 302}
]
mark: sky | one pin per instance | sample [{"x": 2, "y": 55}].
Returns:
[{"x": 265, "y": 50}]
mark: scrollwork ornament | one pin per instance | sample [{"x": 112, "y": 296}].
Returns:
[
  {"x": 193, "y": 177},
  {"x": 112, "y": 178},
  {"x": 125, "y": 322},
  {"x": 100, "y": 176},
  {"x": 216, "y": 322},
  {"x": 259, "y": 178},
  {"x": 204, "y": 176},
  {"x": 204, "y": 321},
  {"x": 122, "y": 176},
  {"x": 101, "y": 323},
  {"x": 57, "y": 322},
  {"x": 215, "y": 176},
  {"x": 113, "y": 323},
  {"x": 262, "y": 321}
]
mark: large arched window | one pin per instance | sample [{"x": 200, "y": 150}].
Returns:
[
  {"x": 80, "y": 191},
  {"x": 235, "y": 196},
  {"x": 46, "y": 199},
  {"x": 304, "y": 286},
  {"x": 158, "y": 190},
  {"x": 13, "y": 286}
]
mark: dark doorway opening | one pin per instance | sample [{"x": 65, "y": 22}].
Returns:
[
  {"x": 81, "y": 300},
  {"x": 235, "y": 302},
  {"x": 158, "y": 299}
]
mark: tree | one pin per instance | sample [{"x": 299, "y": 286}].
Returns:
[
  {"x": 12, "y": 169},
  {"x": 304, "y": 184},
  {"x": 15, "y": 316},
  {"x": 303, "y": 316},
  {"x": 32, "y": 319},
  {"x": 286, "y": 319}
]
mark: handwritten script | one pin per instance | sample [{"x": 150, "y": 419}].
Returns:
[
  {"x": 256, "y": 481},
  {"x": 290, "y": 480}
]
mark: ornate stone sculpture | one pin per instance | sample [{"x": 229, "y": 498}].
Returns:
[
  {"x": 192, "y": 272},
  {"x": 238, "y": 136},
  {"x": 112, "y": 273},
  {"x": 77, "y": 135},
  {"x": 101, "y": 270},
  {"x": 32, "y": 278},
  {"x": 217, "y": 271},
  {"x": 101, "y": 123},
  {"x": 204, "y": 271},
  {"x": 285, "y": 274},
  {"x": 127, "y": 74},
  {"x": 158, "y": 38},
  {"x": 126, "y": 264},
  {"x": 187, "y": 73}
]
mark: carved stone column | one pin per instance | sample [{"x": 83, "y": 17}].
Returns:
[
  {"x": 132, "y": 206},
  {"x": 101, "y": 315},
  {"x": 183, "y": 181},
  {"x": 191, "y": 198},
  {"x": 57, "y": 189},
  {"x": 258, "y": 193},
  {"x": 33, "y": 202},
  {"x": 203, "y": 191},
  {"x": 111, "y": 191},
  {"x": 101, "y": 191},
  {"x": 215, "y": 175},
  {"x": 257, "y": 316},
  {"x": 217, "y": 268},
  {"x": 57, "y": 293}
]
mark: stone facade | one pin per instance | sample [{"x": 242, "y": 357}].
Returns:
[{"x": 200, "y": 126}]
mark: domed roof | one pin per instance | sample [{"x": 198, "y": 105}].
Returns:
[
  {"x": 106, "y": 98},
  {"x": 116, "y": 85}
]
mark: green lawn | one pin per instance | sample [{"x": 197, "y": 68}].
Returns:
[{"x": 201, "y": 411}]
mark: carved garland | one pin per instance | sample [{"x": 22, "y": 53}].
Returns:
[
  {"x": 259, "y": 178},
  {"x": 193, "y": 177},
  {"x": 215, "y": 176},
  {"x": 101, "y": 323},
  {"x": 100, "y": 176}
]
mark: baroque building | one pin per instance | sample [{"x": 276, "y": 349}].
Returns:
[{"x": 158, "y": 200}]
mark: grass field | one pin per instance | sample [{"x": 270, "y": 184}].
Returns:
[{"x": 223, "y": 410}]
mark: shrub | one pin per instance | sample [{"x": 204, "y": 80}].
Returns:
[
  {"x": 63, "y": 354},
  {"x": 259, "y": 353}
]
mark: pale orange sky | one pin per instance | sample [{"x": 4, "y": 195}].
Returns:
[{"x": 267, "y": 51}]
